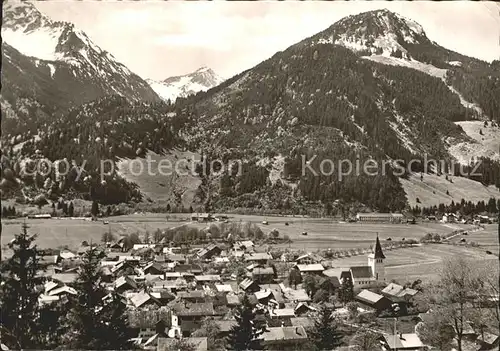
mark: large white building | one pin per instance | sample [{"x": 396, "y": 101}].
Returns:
[{"x": 374, "y": 273}]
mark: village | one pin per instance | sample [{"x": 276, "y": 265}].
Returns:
[{"x": 171, "y": 292}]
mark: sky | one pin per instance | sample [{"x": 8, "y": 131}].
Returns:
[{"x": 159, "y": 39}]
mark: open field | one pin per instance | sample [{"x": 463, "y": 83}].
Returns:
[
  {"x": 54, "y": 232},
  {"x": 422, "y": 262},
  {"x": 486, "y": 239},
  {"x": 322, "y": 233}
]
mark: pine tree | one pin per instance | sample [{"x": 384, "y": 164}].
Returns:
[
  {"x": 324, "y": 334},
  {"x": 94, "y": 323},
  {"x": 346, "y": 293},
  {"x": 117, "y": 330},
  {"x": 95, "y": 209},
  {"x": 71, "y": 209},
  {"x": 245, "y": 334},
  {"x": 20, "y": 290}
]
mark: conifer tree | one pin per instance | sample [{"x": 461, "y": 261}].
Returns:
[
  {"x": 94, "y": 322},
  {"x": 324, "y": 334},
  {"x": 20, "y": 289},
  {"x": 346, "y": 293},
  {"x": 245, "y": 334}
]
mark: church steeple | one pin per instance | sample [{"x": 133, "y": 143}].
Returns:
[{"x": 378, "y": 250}]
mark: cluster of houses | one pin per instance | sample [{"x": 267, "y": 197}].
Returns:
[{"x": 170, "y": 292}]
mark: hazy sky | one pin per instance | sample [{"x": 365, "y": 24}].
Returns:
[{"x": 160, "y": 39}]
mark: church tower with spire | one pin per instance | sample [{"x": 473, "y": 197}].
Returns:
[{"x": 376, "y": 262}]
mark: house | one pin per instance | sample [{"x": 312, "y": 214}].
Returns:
[
  {"x": 232, "y": 300},
  {"x": 396, "y": 292},
  {"x": 373, "y": 300},
  {"x": 124, "y": 283},
  {"x": 188, "y": 268},
  {"x": 380, "y": 217},
  {"x": 263, "y": 275},
  {"x": 314, "y": 268},
  {"x": 225, "y": 327},
  {"x": 170, "y": 285},
  {"x": 172, "y": 258},
  {"x": 199, "y": 344},
  {"x": 258, "y": 257},
  {"x": 245, "y": 245},
  {"x": 208, "y": 278},
  {"x": 193, "y": 310},
  {"x": 65, "y": 255},
  {"x": 402, "y": 342},
  {"x": 487, "y": 341},
  {"x": 305, "y": 322},
  {"x": 172, "y": 275},
  {"x": 65, "y": 278},
  {"x": 201, "y": 217},
  {"x": 148, "y": 323},
  {"x": 192, "y": 296},
  {"x": 270, "y": 296},
  {"x": 297, "y": 295},
  {"x": 249, "y": 286},
  {"x": 308, "y": 258},
  {"x": 153, "y": 268},
  {"x": 281, "y": 313},
  {"x": 40, "y": 216},
  {"x": 163, "y": 296},
  {"x": 303, "y": 308},
  {"x": 224, "y": 288},
  {"x": 284, "y": 338},
  {"x": 143, "y": 299},
  {"x": 209, "y": 252}
]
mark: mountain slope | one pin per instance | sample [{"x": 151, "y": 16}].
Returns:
[
  {"x": 319, "y": 100},
  {"x": 171, "y": 88},
  {"x": 55, "y": 65}
]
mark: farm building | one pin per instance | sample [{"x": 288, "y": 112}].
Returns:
[
  {"x": 373, "y": 300},
  {"x": 40, "y": 216},
  {"x": 380, "y": 217},
  {"x": 403, "y": 342},
  {"x": 202, "y": 217}
]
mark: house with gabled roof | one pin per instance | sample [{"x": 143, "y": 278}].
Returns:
[
  {"x": 279, "y": 338},
  {"x": 314, "y": 268},
  {"x": 153, "y": 268},
  {"x": 248, "y": 285},
  {"x": 308, "y": 258},
  {"x": 143, "y": 299},
  {"x": 258, "y": 257},
  {"x": 401, "y": 341},
  {"x": 263, "y": 275},
  {"x": 124, "y": 283},
  {"x": 209, "y": 252},
  {"x": 396, "y": 292},
  {"x": 373, "y": 300}
]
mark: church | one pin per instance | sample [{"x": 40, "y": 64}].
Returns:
[{"x": 368, "y": 276}]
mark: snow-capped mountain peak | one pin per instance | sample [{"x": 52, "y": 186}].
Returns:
[
  {"x": 57, "y": 64},
  {"x": 375, "y": 32},
  {"x": 203, "y": 79}
]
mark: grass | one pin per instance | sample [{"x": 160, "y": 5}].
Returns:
[
  {"x": 53, "y": 233},
  {"x": 406, "y": 264},
  {"x": 161, "y": 187},
  {"x": 422, "y": 262},
  {"x": 487, "y": 239},
  {"x": 432, "y": 190}
]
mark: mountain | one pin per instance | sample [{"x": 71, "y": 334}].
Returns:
[
  {"x": 369, "y": 87},
  {"x": 171, "y": 88},
  {"x": 50, "y": 66}
]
